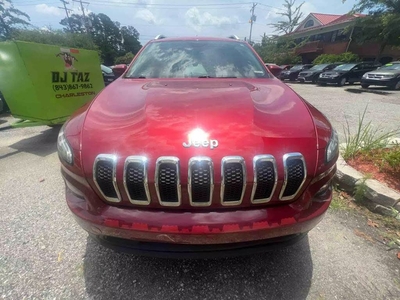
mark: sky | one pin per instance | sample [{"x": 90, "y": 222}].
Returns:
[{"x": 218, "y": 18}]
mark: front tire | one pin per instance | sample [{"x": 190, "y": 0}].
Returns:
[
  {"x": 365, "y": 86},
  {"x": 396, "y": 86},
  {"x": 342, "y": 82}
]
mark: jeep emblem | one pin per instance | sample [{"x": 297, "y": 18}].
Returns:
[{"x": 206, "y": 143}]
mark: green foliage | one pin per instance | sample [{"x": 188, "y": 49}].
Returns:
[
  {"x": 366, "y": 138},
  {"x": 277, "y": 50},
  {"x": 126, "y": 59},
  {"x": 11, "y": 18},
  {"x": 361, "y": 188},
  {"x": 346, "y": 57},
  {"x": 112, "y": 39},
  {"x": 392, "y": 158},
  {"x": 292, "y": 16},
  {"x": 74, "y": 40}
]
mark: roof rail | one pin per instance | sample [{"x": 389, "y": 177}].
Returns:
[
  {"x": 233, "y": 37},
  {"x": 159, "y": 37}
]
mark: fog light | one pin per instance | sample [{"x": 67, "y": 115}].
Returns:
[{"x": 323, "y": 193}]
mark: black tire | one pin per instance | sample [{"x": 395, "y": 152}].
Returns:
[
  {"x": 365, "y": 86},
  {"x": 342, "y": 82},
  {"x": 321, "y": 83},
  {"x": 314, "y": 80},
  {"x": 396, "y": 86}
]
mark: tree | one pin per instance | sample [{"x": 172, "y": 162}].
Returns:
[
  {"x": 11, "y": 18},
  {"x": 126, "y": 59},
  {"x": 277, "y": 50},
  {"x": 112, "y": 39},
  {"x": 380, "y": 25},
  {"x": 292, "y": 17}
]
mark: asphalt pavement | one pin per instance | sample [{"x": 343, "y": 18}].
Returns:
[{"x": 44, "y": 254}]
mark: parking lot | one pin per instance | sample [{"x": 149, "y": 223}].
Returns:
[{"x": 44, "y": 254}]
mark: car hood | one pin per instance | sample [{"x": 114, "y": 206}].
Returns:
[
  {"x": 385, "y": 72},
  {"x": 309, "y": 72},
  {"x": 155, "y": 117}
]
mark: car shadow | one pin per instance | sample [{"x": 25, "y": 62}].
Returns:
[
  {"x": 42, "y": 144},
  {"x": 278, "y": 274},
  {"x": 379, "y": 91}
]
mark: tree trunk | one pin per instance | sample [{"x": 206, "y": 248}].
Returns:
[{"x": 381, "y": 49}]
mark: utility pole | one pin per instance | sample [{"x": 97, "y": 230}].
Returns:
[
  {"x": 66, "y": 12},
  {"x": 83, "y": 12},
  {"x": 252, "y": 20}
]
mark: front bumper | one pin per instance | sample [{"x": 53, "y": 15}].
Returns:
[
  {"x": 380, "y": 82},
  {"x": 330, "y": 80},
  {"x": 305, "y": 78}
]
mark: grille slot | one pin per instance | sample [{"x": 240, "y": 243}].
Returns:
[
  {"x": 295, "y": 175},
  {"x": 104, "y": 177},
  {"x": 265, "y": 178},
  {"x": 233, "y": 185},
  {"x": 167, "y": 181},
  {"x": 200, "y": 181},
  {"x": 135, "y": 180}
]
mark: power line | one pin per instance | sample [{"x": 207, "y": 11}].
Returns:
[{"x": 83, "y": 12}]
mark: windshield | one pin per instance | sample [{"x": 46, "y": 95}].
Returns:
[
  {"x": 390, "y": 67},
  {"x": 319, "y": 67},
  {"x": 296, "y": 68},
  {"x": 106, "y": 70},
  {"x": 345, "y": 67},
  {"x": 204, "y": 59}
]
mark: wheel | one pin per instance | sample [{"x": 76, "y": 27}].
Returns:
[
  {"x": 365, "y": 86},
  {"x": 322, "y": 83},
  {"x": 342, "y": 82},
  {"x": 396, "y": 86},
  {"x": 314, "y": 80}
]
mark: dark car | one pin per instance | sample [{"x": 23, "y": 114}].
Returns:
[
  {"x": 388, "y": 75},
  {"x": 286, "y": 67},
  {"x": 108, "y": 75},
  {"x": 294, "y": 72},
  {"x": 312, "y": 74},
  {"x": 166, "y": 161},
  {"x": 350, "y": 72}
]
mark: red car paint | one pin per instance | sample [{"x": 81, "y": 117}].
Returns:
[
  {"x": 153, "y": 117},
  {"x": 274, "y": 69}
]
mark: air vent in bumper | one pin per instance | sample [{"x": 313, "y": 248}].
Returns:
[
  {"x": 265, "y": 178},
  {"x": 136, "y": 181},
  {"x": 233, "y": 184},
  {"x": 295, "y": 175},
  {"x": 104, "y": 176},
  {"x": 200, "y": 181},
  {"x": 167, "y": 181}
]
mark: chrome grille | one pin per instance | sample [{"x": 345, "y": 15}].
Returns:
[
  {"x": 233, "y": 185},
  {"x": 265, "y": 178},
  {"x": 135, "y": 180},
  {"x": 104, "y": 176},
  {"x": 295, "y": 175},
  {"x": 200, "y": 181},
  {"x": 167, "y": 181}
]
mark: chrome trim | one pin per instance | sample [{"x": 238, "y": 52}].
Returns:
[
  {"x": 174, "y": 160},
  {"x": 323, "y": 175},
  {"x": 113, "y": 159},
  {"x": 143, "y": 161},
  {"x": 256, "y": 159},
  {"x": 286, "y": 157},
  {"x": 232, "y": 159},
  {"x": 208, "y": 160}
]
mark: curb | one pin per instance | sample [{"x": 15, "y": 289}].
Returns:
[{"x": 386, "y": 199}]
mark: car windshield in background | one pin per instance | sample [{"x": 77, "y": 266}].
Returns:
[
  {"x": 319, "y": 67},
  {"x": 203, "y": 59},
  {"x": 345, "y": 67},
  {"x": 296, "y": 68},
  {"x": 391, "y": 67},
  {"x": 106, "y": 70}
]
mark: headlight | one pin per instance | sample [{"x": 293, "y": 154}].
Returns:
[
  {"x": 333, "y": 147},
  {"x": 320, "y": 75},
  {"x": 365, "y": 75},
  {"x": 334, "y": 75},
  {"x": 63, "y": 147},
  {"x": 388, "y": 76}
]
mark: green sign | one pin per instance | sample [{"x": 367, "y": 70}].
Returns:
[{"x": 46, "y": 83}]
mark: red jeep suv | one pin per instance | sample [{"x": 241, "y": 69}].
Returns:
[{"x": 197, "y": 150}]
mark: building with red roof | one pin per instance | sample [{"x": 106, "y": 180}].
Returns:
[{"x": 333, "y": 34}]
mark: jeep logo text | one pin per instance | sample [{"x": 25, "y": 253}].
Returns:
[{"x": 206, "y": 143}]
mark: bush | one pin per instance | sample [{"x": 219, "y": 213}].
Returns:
[
  {"x": 346, "y": 57},
  {"x": 126, "y": 59}
]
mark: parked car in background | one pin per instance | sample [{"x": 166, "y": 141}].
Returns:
[
  {"x": 228, "y": 161},
  {"x": 350, "y": 72},
  {"x": 119, "y": 69},
  {"x": 274, "y": 69},
  {"x": 108, "y": 75},
  {"x": 293, "y": 73},
  {"x": 388, "y": 75},
  {"x": 312, "y": 74}
]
